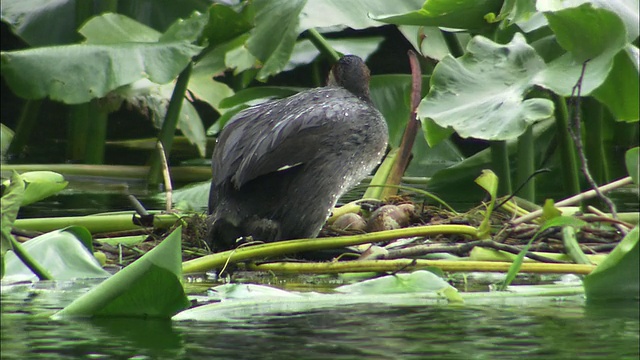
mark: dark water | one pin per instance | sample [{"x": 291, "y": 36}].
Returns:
[{"x": 566, "y": 329}]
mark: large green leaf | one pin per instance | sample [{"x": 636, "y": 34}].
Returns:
[
  {"x": 150, "y": 287},
  {"x": 617, "y": 277},
  {"x": 225, "y": 24},
  {"x": 54, "y": 22},
  {"x": 274, "y": 36},
  {"x": 563, "y": 73},
  {"x": 626, "y": 10},
  {"x": 75, "y": 74},
  {"x": 115, "y": 28},
  {"x": 153, "y": 98},
  {"x": 461, "y": 14},
  {"x": 188, "y": 29},
  {"x": 212, "y": 63},
  {"x": 620, "y": 91},
  {"x": 355, "y": 14},
  {"x": 588, "y": 32},
  {"x": 63, "y": 253},
  {"x": 146, "y": 95},
  {"x": 481, "y": 94},
  {"x": 597, "y": 31},
  {"x": 391, "y": 95},
  {"x": 41, "y": 22},
  {"x": 428, "y": 40},
  {"x": 517, "y": 11},
  {"x": 304, "y": 52},
  {"x": 204, "y": 88}
]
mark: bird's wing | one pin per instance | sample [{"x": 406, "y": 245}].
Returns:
[{"x": 268, "y": 125}]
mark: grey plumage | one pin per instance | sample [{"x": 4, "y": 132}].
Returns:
[{"x": 280, "y": 167}]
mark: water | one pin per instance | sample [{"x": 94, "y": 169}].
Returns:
[
  {"x": 535, "y": 330},
  {"x": 551, "y": 329}
]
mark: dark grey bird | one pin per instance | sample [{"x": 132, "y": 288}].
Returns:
[{"x": 280, "y": 167}]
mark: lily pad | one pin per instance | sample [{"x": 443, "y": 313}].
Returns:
[
  {"x": 481, "y": 94},
  {"x": 241, "y": 301}
]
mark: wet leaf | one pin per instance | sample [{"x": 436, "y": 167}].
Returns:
[
  {"x": 224, "y": 24},
  {"x": 481, "y": 94},
  {"x": 464, "y": 14},
  {"x": 116, "y": 28},
  {"x": 41, "y": 22},
  {"x": 241, "y": 301},
  {"x": 275, "y": 34},
  {"x": 304, "y": 52},
  {"x": 617, "y": 277},
  {"x": 414, "y": 282},
  {"x": 587, "y": 32},
  {"x": 149, "y": 287},
  {"x": 622, "y": 80},
  {"x": 65, "y": 254},
  {"x": 46, "y": 72},
  {"x": 356, "y": 14}
]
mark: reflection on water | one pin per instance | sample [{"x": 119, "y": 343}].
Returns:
[{"x": 564, "y": 330}]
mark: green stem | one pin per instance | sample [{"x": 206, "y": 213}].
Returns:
[
  {"x": 96, "y": 134},
  {"x": 170, "y": 124},
  {"x": 416, "y": 264},
  {"x": 322, "y": 45},
  {"x": 26, "y": 123},
  {"x": 292, "y": 246},
  {"x": 500, "y": 161},
  {"x": 570, "y": 168},
  {"x": 180, "y": 174},
  {"x": 526, "y": 165},
  {"x": 77, "y": 132},
  {"x": 94, "y": 223}
]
